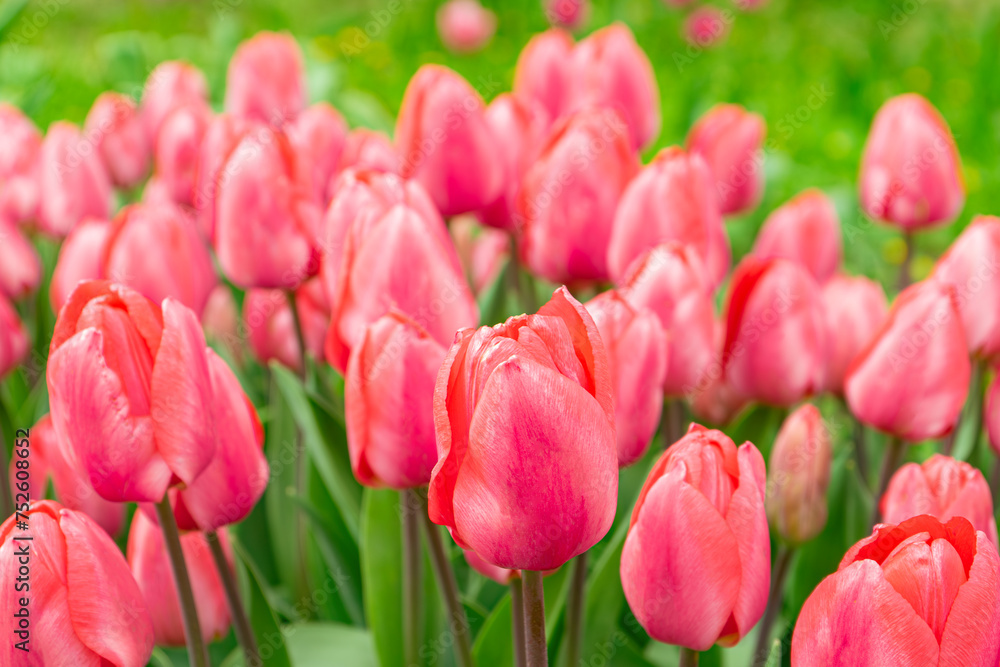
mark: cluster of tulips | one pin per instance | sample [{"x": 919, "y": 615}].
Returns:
[{"x": 366, "y": 253}]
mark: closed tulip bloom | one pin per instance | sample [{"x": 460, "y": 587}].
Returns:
[
  {"x": 501, "y": 575},
  {"x": 158, "y": 251},
  {"x": 730, "y": 139},
  {"x": 221, "y": 322},
  {"x": 178, "y": 149},
  {"x": 637, "y": 357},
  {"x": 81, "y": 257},
  {"x": 972, "y": 266},
  {"x": 130, "y": 391},
  {"x": 911, "y": 173},
  {"x": 696, "y": 564},
  {"x": 72, "y": 182},
  {"x": 85, "y": 607},
  {"x": 527, "y": 471},
  {"x": 991, "y": 409},
  {"x": 465, "y": 26},
  {"x": 223, "y": 134},
  {"x": 266, "y": 79},
  {"x": 13, "y": 338},
  {"x": 314, "y": 311},
  {"x": 150, "y": 564},
  {"x": 170, "y": 86},
  {"x": 20, "y": 268},
  {"x": 706, "y": 26},
  {"x": 270, "y": 323},
  {"x": 446, "y": 144},
  {"x": 912, "y": 378},
  {"x": 544, "y": 72},
  {"x": 805, "y": 230},
  {"x": 855, "y": 309},
  {"x": 483, "y": 251},
  {"x": 567, "y": 13},
  {"x": 318, "y": 136},
  {"x": 670, "y": 200},
  {"x": 798, "y": 476},
  {"x": 369, "y": 150},
  {"x": 914, "y": 594},
  {"x": 569, "y": 197},
  {"x": 20, "y": 148},
  {"x": 776, "y": 339},
  {"x": 117, "y": 130}
]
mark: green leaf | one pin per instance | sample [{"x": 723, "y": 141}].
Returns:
[
  {"x": 605, "y": 596},
  {"x": 774, "y": 657},
  {"x": 262, "y": 618},
  {"x": 325, "y": 644},
  {"x": 382, "y": 572},
  {"x": 494, "y": 645},
  {"x": 9, "y": 12}
]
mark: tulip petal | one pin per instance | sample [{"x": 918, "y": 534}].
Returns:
[{"x": 972, "y": 633}]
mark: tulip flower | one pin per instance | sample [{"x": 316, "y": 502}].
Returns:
[
  {"x": 72, "y": 181},
  {"x": 270, "y": 323},
  {"x": 588, "y": 158},
  {"x": 912, "y": 378},
  {"x": 991, "y": 417},
  {"x": 14, "y": 343},
  {"x": 80, "y": 258},
  {"x": 501, "y": 575},
  {"x": 798, "y": 475},
  {"x": 223, "y": 134},
  {"x": 918, "y": 593},
  {"x": 483, "y": 251},
  {"x": 637, "y": 358},
  {"x": 369, "y": 150},
  {"x": 670, "y": 200},
  {"x": 117, "y": 131},
  {"x": 147, "y": 557},
  {"x": 776, "y": 340},
  {"x": 445, "y": 142},
  {"x": 130, "y": 391},
  {"x": 805, "y": 230},
  {"x": 911, "y": 173},
  {"x": 268, "y": 241},
  {"x": 972, "y": 266},
  {"x": 266, "y": 79},
  {"x": 855, "y": 309},
  {"x": 730, "y": 140},
  {"x": 170, "y": 86},
  {"x": 706, "y": 26},
  {"x": 318, "y": 136},
  {"x": 178, "y": 149},
  {"x": 544, "y": 72},
  {"x": 220, "y": 320},
  {"x": 696, "y": 564},
  {"x": 20, "y": 147},
  {"x": 159, "y": 252},
  {"x": 84, "y": 606},
  {"x": 20, "y": 268},
  {"x": 501, "y": 392},
  {"x": 567, "y": 13},
  {"x": 465, "y": 26}
]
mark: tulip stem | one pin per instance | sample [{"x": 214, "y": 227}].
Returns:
[
  {"x": 861, "y": 452},
  {"x": 197, "y": 651},
  {"x": 904, "y": 268},
  {"x": 241, "y": 623},
  {"x": 517, "y": 621},
  {"x": 973, "y": 411},
  {"x": 299, "y": 335},
  {"x": 534, "y": 619},
  {"x": 412, "y": 574},
  {"x": 778, "y": 574},
  {"x": 894, "y": 450},
  {"x": 689, "y": 657},
  {"x": 674, "y": 430},
  {"x": 523, "y": 284},
  {"x": 6, "y": 498},
  {"x": 995, "y": 480},
  {"x": 574, "y": 609}
]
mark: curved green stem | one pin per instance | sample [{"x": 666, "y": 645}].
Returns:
[
  {"x": 780, "y": 571},
  {"x": 241, "y": 623},
  {"x": 894, "y": 450}
]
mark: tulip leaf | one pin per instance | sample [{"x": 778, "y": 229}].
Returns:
[
  {"x": 494, "y": 644},
  {"x": 324, "y": 644},
  {"x": 262, "y": 617},
  {"x": 9, "y": 12},
  {"x": 381, "y": 572},
  {"x": 605, "y": 597},
  {"x": 774, "y": 657}
]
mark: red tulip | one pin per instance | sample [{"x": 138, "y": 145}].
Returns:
[
  {"x": 83, "y": 606},
  {"x": 223, "y": 134},
  {"x": 20, "y": 269},
  {"x": 912, "y": 378},
  {"x": 445, "y": 142},
  {"x": 318, "y": 136},
  {"x": 20, "y": 147},
  {"x": 568, "y": 13},
  {"x": 130, "y": 391},
  {"x": 855, "y": 310},
  {"x": 14, "y": 344},
  {"x": 776, "y": 347},
  {"x": 696, "y": 565},
  {"x": 972, "y": 266},
  {"x": 266, "y": 79},
  {"x": 178, "y": 149},
  {"x": 544, "y": 72},
  {"x": 465, "y": 26},
  {"x": 706, "y": 26},
  {"x": 72, "y": 182},
  {"x": 80, "y": 258},
  {"x": 914, "y": 594},
  {"x": 117, "y": 131},
  {"x": 805, "y": 230},
  {"x": 911, "y": 173},
  {"x": 369, "y": 150},
  {"x": 730, "y": 139},
  {"x": 483, "y": 251},
  {"x": 670, "y": 200},
  {"x": 798, "y": 476},
  {"x": 172, "y": 85},
  {"x": 569, "y": 197},
  {"x": 637, "y": 358},
  {"x": 527, "y": 471},
  {"x": 147, "y": 556}
]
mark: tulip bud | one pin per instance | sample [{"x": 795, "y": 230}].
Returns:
[
  {"x": 501, "y": 391},
  {"x": 912, "y": 378},
  {"x": 855, "y": 310},
  {"x": 150, "y": 564},
  {"x": 465, "y": 26},
  {"x": 776, "y": 347},
  {"x": 72, "y": 182},
  {"x": 368, "y": 150},
  {"x": 911, "y": 171},
  {"x": 922, "y": 592},
  {"x": 84, "y": 607},
  {"x": 670, "y": 200},
  {"x": 544, "y": 72},
  {"x": 805, "y": 230},
  {"x": 178, "y": 149},
  {"x": 706, "y": 26},
  {"x": 798, "y": 476},
  {"x": 20, "y": 268},
  {"x": 637, "y": 358},
  {"x": 567, "y": 13},
  {"x": 266, "y": 79},
  {"x": 483, "y": 251},
  {"x": 172, "y": 85},
  {"x": 714, "y": 399},
  {"x": 20, "y": 147},
  {"x": 588, "y": 158},
  {"x": 80, "y": 258},
  {"x": 318, "y": 136},
  {"x": 730, "y": 139},
  {"x": 13, "y": 338},
  {"x": 696, "y": 564},
  {"x": 116, "y": 129},
  {"x": 223, "y": 134}
]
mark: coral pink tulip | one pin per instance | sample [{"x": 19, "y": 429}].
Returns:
[
  {"x": 465, "y": 26},
  {"x": 501, "y": 575},
  {"x": 567, "y": 13},
  {"x": 119, "y": 135},
  {"x": 80, "y": 258},
  {"x": 483, "y": 251},
  {"x": 178, "y": 149},
  {"x": 266, "y": 79},
  {"x": 172, "y": 85},
  {"x": 270, "y": 323},
  {"x": 223, "y": 134},
  {"x": 369, "y": 150},
  {"x": 805, "y": 230},
  {"x": 707, "y": 26},
  {"x": 14, "y": 343},
  {"x": 730, "y": 139},
  {"x": 20, "y": 268},
  {"x": 72, "y": 181},
  {"x": 20, "y": 148},
  {"x": 318, "y": 136},
  {"x": 544, "y": 72},
  {"x": 798, "y": 476},
  {"x": 855, "y": 309},
  {"x": 220, "y": 320}
]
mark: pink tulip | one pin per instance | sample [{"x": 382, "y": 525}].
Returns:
[
  {"x": 72, "y": 181},
  {"x": 270, "y": 324},
  {"x": 318, "y": 136},
  {"x": 696, "y": 565},
  {"x": 798, "y": 476},
  {"x": 157, "y": 192},
  {"x": 130, "y": 391},
  {"x": 14, "y": 343},
  {"x": 369, "y": 150},
  {"x": 117, "y": 131},
  {"x": 972, "y": 266},
  {"x": 569, "y": 197},
  {"x": 730, "y": 139},
  {"x": 147, "y": 557},
  {"x": 220, "y": 320},
  {"x": 706, "y": 26},
  {"x": 502, "y": 392},
  {"x": 911, "y": 173},
  {"x": 178, "y": 149},
  {"x": 20, "y": 147},
  {"x": 80, "y": 258},
  {"x": 637, "y": 358},
  {"x": 465, "y": 26},
  {"x": 914, "y": 594},
  {"x": 714, "y": 399},
  {"x": 670, "y": 200},
  {"x": 483, "y": 251},
  {"x": 805, "y": 230},
  {"x": 912, "y": 378},
  {"x": 172, "y": 85},
  {"x": 567, "y": 13},
  {"x": 223, "y": 134},
  {"x": 266, "y": 79},
  {"x": 501, "y": 575},
  {"x": 20, "y": 268},
  {"x": 544, "y": 72},
  {"x": 445, "y": 142},
  {"x": 855, "y": 310},
  {"x": 776, "y": 339},
  {"x": 314, "y": 310}
]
